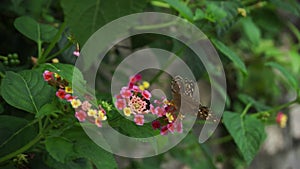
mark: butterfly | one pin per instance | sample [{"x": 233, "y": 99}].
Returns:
[{"x": 182, "y": 92}]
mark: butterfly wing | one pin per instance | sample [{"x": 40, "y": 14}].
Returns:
[{"x": 182, "y": 92}]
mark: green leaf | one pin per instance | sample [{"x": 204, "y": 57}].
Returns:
[
  {"x": 287, "y": 75},
  {"x": 248, "y": 133},
  {"x": 26, "y": 90},
  {"x": 79, "y": 163},
  {"x": 34, "y": 30},
  {"x": 86, "y": 17},
  {"x": 291, "y": 6},
  {"x": 295, "y": 30},
  {"x": 13, "y": 136},
  {"x": 86, "y": 148},
  {"x": 59, "y": 148},
  {"x": 252, "y": 32},
  {"x": 199, "y": 14},
  {"x": 47, "y": 109},
  {"x": 230, "y": 54},
  {"x": 182, "y": 8}
]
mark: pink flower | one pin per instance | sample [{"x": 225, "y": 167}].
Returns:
[
  {"x": 164, "y": 130},
  {"x": 47, "y": 75},
  {"x": 69, "y": 97},
  {"x": 98, "y": 122},
  {"x": 80, "y": 115},
  {"x": 120, "y": 104},
  {"x": 159, "y": 111},
  {"x": 86, "y": 106},
  {"x": 146, "y": 94},
  {"x": 171, "y": 127},
  {"x": 76, "y": 53},
  {"x": 178, "y": 126},
  {"x": 152, "y": 109},
  {"x": 61, "y": 93},
  {"x": 155, "y": 124},
  {"x": 118, "y": 96},
  {"x": 139, "y": 119},
  {"x": 135, "y": 88},
  {"x": 125, "y": 92}
]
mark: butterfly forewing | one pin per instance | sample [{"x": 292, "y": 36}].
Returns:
[{"x": 182, "y": 91}]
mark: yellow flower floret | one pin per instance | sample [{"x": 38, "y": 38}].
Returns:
[
  {"x": 92, "y": 112},
  {"x": 127, "y": 111},
  {"x": 68, "y": 89},
  {"x": 101, "y": 115},
  {"x": 56, "y": 75},
  {"x": 55, "y": 60},
  {"x": 283, "y": 121},
  {"x": 170, "y": 117},
  {"x": 141, "y": 87},
  {"x": 146, "y": 84},
  {"x": 242, "y": 12},
  {"x": 75, "y": 103}
]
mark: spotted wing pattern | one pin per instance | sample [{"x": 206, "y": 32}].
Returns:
[{"x": 184, "y": 88}]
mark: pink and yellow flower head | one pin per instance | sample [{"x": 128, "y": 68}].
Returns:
[{"x": 281, "y": 119}]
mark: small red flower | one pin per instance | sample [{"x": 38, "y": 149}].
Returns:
[
  {"x": 130, "y": 85},
  {"x": 164, "y": 130},
  {"x": 47, "y": 75},
  {"x": 80, "y": 115},
  {"x": 155, "y": 124},
  {"x": 61, "y": 93},
  {"x": 135, "y": 78}
]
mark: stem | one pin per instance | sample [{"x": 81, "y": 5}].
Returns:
[
  {"x": 157, "y": 26},
  {"x": 53, "y": 42},
  {"x": 166, "y": 66},
  {"x": 55, "y": 54},
  {"x": 3, "y": 57},
  {"x": 2, "y": 75},
  {"x": 17, "y": 132},
  {"x": 246, "y": 110},
  {"x": 208, "y": 157},
  {"x": 22, "y": 149},
  {"x": 39, "y": 42},
  {"x": 221, "y": 140},
  {"x": 276, "y": 109}
]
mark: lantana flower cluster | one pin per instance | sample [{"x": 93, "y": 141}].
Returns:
[
  {"x": 135, "y": 100},
  {"x": 84, "y": 110}
]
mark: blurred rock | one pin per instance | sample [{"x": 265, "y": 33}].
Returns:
[{"x": 294, "y": 119}]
